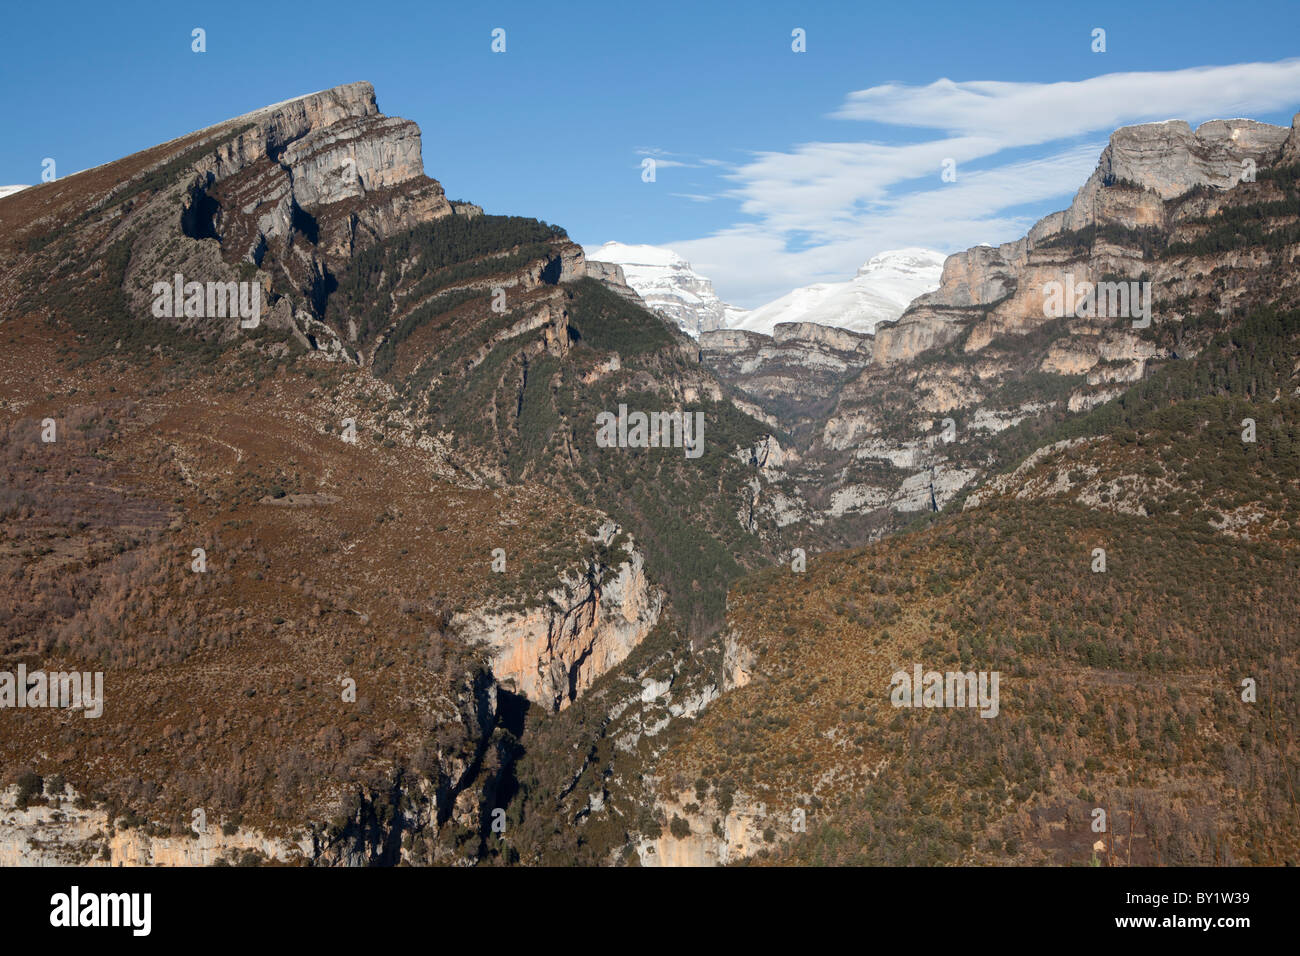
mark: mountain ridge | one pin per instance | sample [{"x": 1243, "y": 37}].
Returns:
[{"x": 644, "y": 674}]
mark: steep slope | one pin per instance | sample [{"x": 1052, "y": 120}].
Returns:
[
  {"x": 1121, "y": 689},
  {"x": 320, "y": 561},
  {"x": 374, "y": 411}
]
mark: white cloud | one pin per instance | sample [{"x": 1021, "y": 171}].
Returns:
[
  {"x": 1027, "y": 113},
  {"x": 847, "y": 201},
  {"x": 751, "y": 264}
]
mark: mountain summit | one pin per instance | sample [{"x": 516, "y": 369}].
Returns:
[
  {"x": 880, "y": 292},
  {"x": 668, "y": 285}
]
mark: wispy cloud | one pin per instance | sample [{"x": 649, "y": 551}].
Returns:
[
  {"x": 846, "y": 201},
  {"x": 664, "y": 159},
  {"x": 1026, "y": 113}
]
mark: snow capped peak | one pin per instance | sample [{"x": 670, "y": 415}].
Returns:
[
  {"x": 10, "y": 190},
  {"x": 668, "y": 285},
  {"x": 882, "y": 289},
  {"x": 627, "y": 254},
  {"x": 908, "y": 261}
]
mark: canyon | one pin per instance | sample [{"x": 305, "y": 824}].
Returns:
[{"x": 648, "y": 678}]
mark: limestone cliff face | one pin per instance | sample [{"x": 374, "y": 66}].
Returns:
[
  {"x": 738, "y": 662},
  {"x": 278, "y": 125},
  {"x": 292, "y": 190},
  {"x": 320, "y": 150},
  {"x": 998, "y": 289},
  {"x": 1291, "y": 148},
  {"x": 610, "y": 275},
  {"x": 1169, "y": 159},
  {"x": 63, "y": 835},
  {"x": 296, "y": 190},
  {"x": 931, "y": 327},
  {"x": 840, "y": 340},
  {"x": 589, "y": 624},
  {"x": 714, "y": 837},
  {"x": 314, "y": 181},
  {"x": 791, "y": 374}
]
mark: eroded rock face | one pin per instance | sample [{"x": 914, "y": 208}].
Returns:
[
  {"x": 610, "y": 275},
  {"x": 352, "y": 157},
  {"x": 713, "y": 837},
  {"x": 927, "y": 328},
  {"x": 55, "y": 831},
  {"x": 1291, "y": 148},
  {"x": 998, "y": 289},
  {"x": 341, "y": 184},
  {"x": 44, "y": 835},
  {"x": 316, "y": 151},
  {"x": 738, "y": 662},
  {"x": 790, "y": 374},
  {"x": 590, "y": 623},
  {"x": 1169, "y": 159},
  {"x": 294, "y": 190}
]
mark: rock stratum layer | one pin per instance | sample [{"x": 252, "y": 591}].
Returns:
[{"x": 418, "y": 395}]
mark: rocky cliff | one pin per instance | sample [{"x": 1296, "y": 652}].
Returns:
[
  {"x": 991, "y": 290},
  {"x": 587, "y": 625},
  {"x": 64, "y": 832},
  {"x": 791, "y": 374},
  {"x": 910, "y": 426},
  {"x": 610, "y": 275}
]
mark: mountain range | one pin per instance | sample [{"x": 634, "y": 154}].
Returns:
[
  {"x": 366, "y": 587},
  {"x": 879, "y": 292}
]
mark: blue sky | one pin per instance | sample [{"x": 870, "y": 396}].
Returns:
[{"x": 775, "y": 168}]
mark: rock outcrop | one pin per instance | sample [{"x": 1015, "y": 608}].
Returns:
[
  {"x": 282, "y": 196},
  {"x": 588, "y": 624},
  {"x": 998, "y": 289},
  {"x": 62, "y": 833},
  {"x": 790, "y": 374},
  {"x": 610, "y": 275}
]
